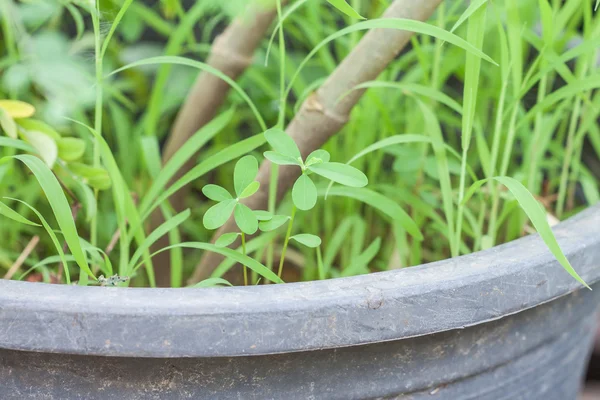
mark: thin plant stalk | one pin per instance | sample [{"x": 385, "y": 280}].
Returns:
[
  {"x": 244, "y": 253},
  {"x": 285, "y": 242},
  {"x": 272, "y": 202},
  {"x": 320, "y": 266},
  {"x": 97, "y": 118}
]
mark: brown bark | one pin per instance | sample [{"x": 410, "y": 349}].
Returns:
[
  {"x": 231, "y": 53},
  {"x": 323, "y": 114}
]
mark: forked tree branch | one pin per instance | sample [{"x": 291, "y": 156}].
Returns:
[
  {"x": 325, "y": 112},
  {"x": 231, "y": 53}
]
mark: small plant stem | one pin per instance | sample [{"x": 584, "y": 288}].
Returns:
[
  {"x": 285, "y": 242},
  {"x": 11, "y": 46},
  {"x": 564, "y": 175},
  {"x": 97, "y": 112},
  {"x": 320, "y": 265},
  {"x": 272, "y": 202},
  {"x": 503, "y": 170},
  {"x": 244, "y": 253},
  {"x": 461, "y": 196},
  {"x": 282, "y": 93},
  {"x": 534, "y": 152}
]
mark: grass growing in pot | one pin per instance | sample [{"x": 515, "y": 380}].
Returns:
[{"x": 482, "y": 130}]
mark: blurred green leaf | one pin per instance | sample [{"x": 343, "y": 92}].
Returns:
[
  {"x": 344, "y": 7},
  {"x": 340, "y": 173},
  {"x": 304, "y": 193},
  {"x": 60, "y": 207},
  {"x": 217, "y": 215},
  {"x": 244, "y": 173},
  {"x": 8, "y": 124},
  {"x": 281, "y": 159},
  {"x": 46, "y": 146},
  {"x": 245, "y": 219},
  {"x": 70, "y": 149},
  {"x": 282, "y": 143},
  {"x": 250, "y": 190},
  {"x": 307, "y": 240},
  {"x": 226, "y": 239},
  {"x": 273, "y": 223},
  {"x": 216, "y": 193}
]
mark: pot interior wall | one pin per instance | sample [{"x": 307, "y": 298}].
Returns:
[{"x": 539, "y": 353}]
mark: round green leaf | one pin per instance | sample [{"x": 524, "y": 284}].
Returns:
[
  {"x": 273, "y": 223},
  {"x": 282, "y": 143},
  {"x": 245, "y": 219},
  {"x": 307, "y": 239},
  {"x": 262, "y": 215},
  {"x": 304, "y": 193},
  {"x": 280, "y": 159},
  {"x": 244, "y": 173},
  {"x": 70, "y": 149},
  {"x": 316, "y": 155},
  {"x": 250, "y": 190},
  {"x": 216, "y": 193},
  {"x": 341, "y": 173},
  {"x": 226, "y": 239},
  {"x": 217, "y": 215}
]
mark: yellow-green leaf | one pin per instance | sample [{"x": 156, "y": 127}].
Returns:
[
  {"x": 17, "y": 109},
  {"x": 70, "y": 149},
  {"x": 96, "y": 177},
  {"x": 8, "y": 124},
  {"x": 37, "y": 125}
]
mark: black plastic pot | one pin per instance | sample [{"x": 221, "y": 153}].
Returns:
[{"x": 507, "y": 323}]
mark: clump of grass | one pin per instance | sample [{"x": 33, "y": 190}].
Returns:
[{"x": 474, "y": 135}]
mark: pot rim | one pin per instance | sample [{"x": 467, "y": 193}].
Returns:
[{"x": 268, "y": 319}]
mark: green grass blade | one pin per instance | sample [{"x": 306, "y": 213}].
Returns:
[
  {"x": 415, "y": 88},
  {"x": 159, "y": 232},
  {"x": 230, "y": 153},
  {"x": 232, "y": 254},
  {"x": 114, "y": 25},
  {"x": 432, "y": 126},
  {"x": 473, "y": 7},
  {"x": 381, "y": 203},
  {"x": 392, "y": 23},
  {"x": 182, "y": 156},
  {"x": 17, "y": 144},
  {"x": 212, "y": 282},
  {"x": 201, "y": 66},
  {"x": 15, "y": 216},
  {"x": 60, "y": 207},
  {"x": 54, "y": 239},
  {"x": 360, "y": 264},
  {"x": 346, "y": 8},
  {"x": 125, "y": 208},
  {"x": 537, "y": 216}
]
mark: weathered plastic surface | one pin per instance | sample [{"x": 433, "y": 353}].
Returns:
[{"x": 507, "y": 323}]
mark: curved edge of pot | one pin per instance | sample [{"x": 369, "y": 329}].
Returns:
[{"x": 441, "y": 296}]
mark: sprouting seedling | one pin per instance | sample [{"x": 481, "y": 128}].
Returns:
[
  {"x": 304, "y": 192},
  {"x": 245, "y": 185},
  {"x": 112, "y": 281}
]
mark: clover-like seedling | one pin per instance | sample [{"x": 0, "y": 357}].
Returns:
[
  {"x": 304, "y": 193},
  {"x": 245, "y": 185},
  {"x": 112, "y": 281}
]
